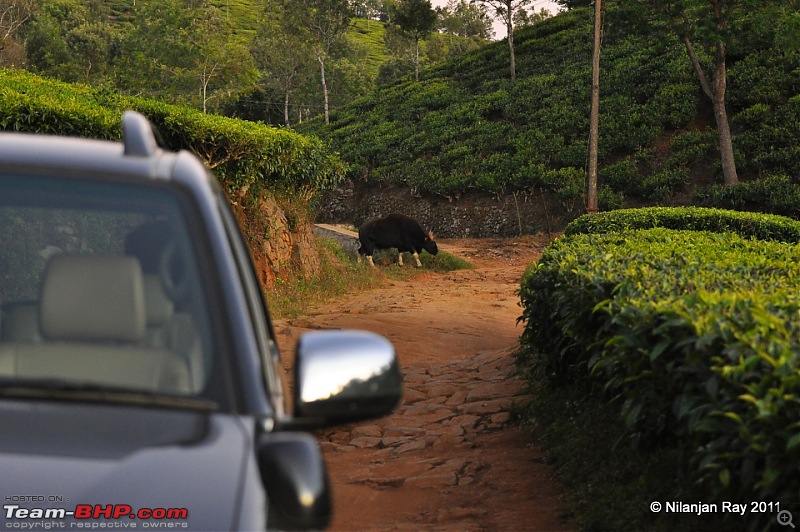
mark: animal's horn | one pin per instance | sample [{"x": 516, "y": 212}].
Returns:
[{"x": 431, "y": 235}]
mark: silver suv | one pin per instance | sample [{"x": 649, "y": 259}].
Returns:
[{"x": 139, "y": 375}]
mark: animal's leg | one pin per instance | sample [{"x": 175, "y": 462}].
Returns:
[
  {"x": 369, "y": 258},
  {"x": 400, "y": 258},
  {"x": 416, "y": 258},
  {"x": 358, "y": 257}
]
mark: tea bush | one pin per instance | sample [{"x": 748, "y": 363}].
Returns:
[
  {"x": 242, "y": 154},
  {"x": 693, "y": 330},
  {"x": 777, "y": 194},
  {"x": 746, "y": 224}
]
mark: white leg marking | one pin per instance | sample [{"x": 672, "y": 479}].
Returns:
[
  {"x": 416, "y": 258},
  {"x": 369, "y": 258},
  {"x": 400, "y": 259}
]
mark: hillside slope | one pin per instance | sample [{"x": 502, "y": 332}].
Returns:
[{"x": 464, "y": 127}]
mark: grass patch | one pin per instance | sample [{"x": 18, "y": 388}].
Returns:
[
  {"x": 340, "y": 274},
  {"x": 444, "y": 262},
  {"x": 611, "y": 480},
  {"x": 386, "y": 259}
]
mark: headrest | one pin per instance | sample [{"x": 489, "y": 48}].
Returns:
[
  {"x": 93, "y": 298},
  {"x": 158, "y": 307}
]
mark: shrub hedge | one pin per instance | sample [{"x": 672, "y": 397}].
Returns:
[
  {"x": 692, "y": 329},
  {"x": 746, "y": 224},
  {"x": 242, "y": 154}
]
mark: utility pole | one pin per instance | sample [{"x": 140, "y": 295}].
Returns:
[{"x": 594, "y": 116}]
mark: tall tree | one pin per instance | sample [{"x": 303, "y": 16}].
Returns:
[
  {"x": 524, "y": 17},
  {"x": 505, "y": 11},
  {"x": 71, "y": 41},
  {"x": 594, "y": 115},
  {"x": 282, "y": 55},
  {"x": 223, "y": 65},
  {"x": 416, "y": 19},
  {"x": 326, "y": 21},
  {"x": 159, "y": 56},
  {"x": 465, "y": 19},
  {"x": 705, "y": 25},
  {"x": 184, "y": 55},
  {"x": 13, "y": 14},
  {"x": 368, "y": 9}
]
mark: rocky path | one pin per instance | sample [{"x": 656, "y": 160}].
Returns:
[{"x": 450, "y": 457}]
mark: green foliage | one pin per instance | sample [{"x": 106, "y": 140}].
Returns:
[
  {"x": 443, "y": 262},
  {"x": 777, "y": 195},
  {"x": 70, "y": 40},
  {"x": 242, "y": 154},
  {"x": 689, "y": 147},
  {"x": 657, "y": 179},
  {"x": 621, "y": 176},
  {"x": 464, "y": 126},
  {"x": 242, "y": 15},
  {"x": 184, "y": 55},
  {"x": 609, "y": 483},
  {"x": 484, "y": 133},
  {"x": 686, "y": 319},
  {"x": 34, "y": 104},
  {"x": 338, "y": 275},
  {"x": 416, "y": 18},
  {"x": 769, "y": 137},
  {"x": 745, "y": 224},
  {"x": 341, "y": 274},
  {"x": 370, "y": 34},
  {"x": 609, "y": 199}
]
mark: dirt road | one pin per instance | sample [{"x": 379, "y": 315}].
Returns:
[{"x": 448, "y": 458}]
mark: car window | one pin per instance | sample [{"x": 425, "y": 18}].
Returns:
[
  {"x": 100, "y": 288},
  {"x": 268, "y": 349}
]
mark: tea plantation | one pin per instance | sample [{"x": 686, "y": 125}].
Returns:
[{"x": 688, "y": 320}]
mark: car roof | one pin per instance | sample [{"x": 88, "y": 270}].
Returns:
[{"x": 138, "y": 155}]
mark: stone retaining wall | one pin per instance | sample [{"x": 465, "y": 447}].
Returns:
[{"x": 471, "y": 215}]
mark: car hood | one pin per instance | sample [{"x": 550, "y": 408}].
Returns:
[{"x": 67, "y": 455}]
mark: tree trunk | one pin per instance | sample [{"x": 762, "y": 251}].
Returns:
[
  {"x": 286, "y": 107},
  {"x": 594, "y": 115},
  {"x": 205, "y": 84},
  {"x": 716, "y": 94},
  {"x": 729, "y": 174},
  {"x": 324, "y": 88},
  {"x": 416, "y": 59},
  {"x": 510, "y": 30}
]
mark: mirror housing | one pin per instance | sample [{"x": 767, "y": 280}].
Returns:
[
  {"x": 344, "y": 376},
  {"x": 296, "y": 480}
]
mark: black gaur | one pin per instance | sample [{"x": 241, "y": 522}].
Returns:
[{"x": 395, "y": 231}]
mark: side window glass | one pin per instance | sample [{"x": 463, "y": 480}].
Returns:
[{"x": 257, "y": 308}]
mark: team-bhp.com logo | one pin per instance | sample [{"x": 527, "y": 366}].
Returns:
[{"x": 94, "y": 511}]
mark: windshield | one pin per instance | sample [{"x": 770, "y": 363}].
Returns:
[{"x": 100, "y": 290}]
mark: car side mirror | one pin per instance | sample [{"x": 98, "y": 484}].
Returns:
[
  {"x": 294, "y": 475},
  {"x": 344, "y": 376}
]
